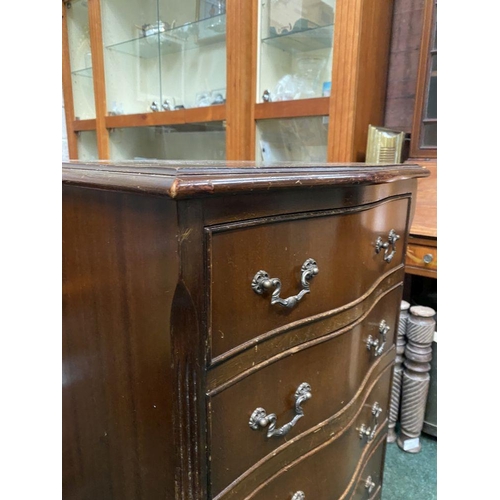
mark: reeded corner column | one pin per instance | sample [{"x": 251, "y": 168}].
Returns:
[
  {"x": 418, "y": 354},
  {"x": 397, "y": 378}
]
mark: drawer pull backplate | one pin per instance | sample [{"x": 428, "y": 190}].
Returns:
[
  {"x": 383, "y": 330},
  {"x": 262, "y": 282},
  {"x": 369, "y": 484},
  {"x": 260, "y": 418},
  {"x": 368, "y": 431}
]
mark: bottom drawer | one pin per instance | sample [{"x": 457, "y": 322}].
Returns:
[{"x": 331, "y": 470}]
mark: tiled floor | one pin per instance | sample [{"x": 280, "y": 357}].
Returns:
[{"x": 411, "y": 476}]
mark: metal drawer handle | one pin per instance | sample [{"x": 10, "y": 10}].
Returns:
[
  {"x": 391, "y": 241},
  {"x": 260, "y": 418},
  {"x": 383, "y": 330},
  {"x": 262, "y": 282},
  {"x": 299, "y": 495},
  {"x": 369, "y": 484},
  {"x": 368, "y": 431}
]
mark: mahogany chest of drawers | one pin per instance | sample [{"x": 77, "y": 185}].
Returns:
[{"x": 228, "y": 330}]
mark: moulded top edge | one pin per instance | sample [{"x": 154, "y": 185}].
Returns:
[{"x": 184, "y": 179}]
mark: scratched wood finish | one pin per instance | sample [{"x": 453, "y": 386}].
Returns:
[
  {"x": 217, "y": 178},
  {"x": 140, "y": 418},
  {"x": 272, "y": 387}
]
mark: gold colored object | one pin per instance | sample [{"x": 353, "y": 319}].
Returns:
[{"x": 384, "y": 145}]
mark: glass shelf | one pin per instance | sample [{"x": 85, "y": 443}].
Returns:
[
  {"x": 320, "y": 37},
  {"x": 86, "y": 72},
  {"x": 189, "y": 36}
]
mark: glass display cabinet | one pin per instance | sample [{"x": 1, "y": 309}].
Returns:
[{"x": 219, "y": 79}]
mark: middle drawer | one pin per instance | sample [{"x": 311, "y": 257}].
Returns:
[{"x": 335, "y": 370}]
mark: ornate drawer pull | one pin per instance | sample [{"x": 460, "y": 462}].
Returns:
[
  {"x": 299, "y": 495},
  {"x": 391, "y": 241},
  {"x": 262, "y": 282},
  {"x": 383, "y": 329},
  {"x": 369, "y": 484},
  {"x": 368, "y": 431},
  {"x": 260, "y": 418}
]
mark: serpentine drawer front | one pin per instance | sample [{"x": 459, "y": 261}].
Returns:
[
  {"x": 326, "y": 472},
  {"x": 326, "y": 367},
  {"x": 351, "y": 250},
  {"x": 229, "y": 329}
]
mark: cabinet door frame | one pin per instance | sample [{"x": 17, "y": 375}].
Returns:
[{"x": 424, "y": 66}]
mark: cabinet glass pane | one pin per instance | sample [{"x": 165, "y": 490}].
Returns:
[
  {"x": 292, "y": 139},
  {"x": 196, "y": 141},
  {"x": 429, "y": 136},
  {"x": 87, "y": 145},
  {"x": 193, "y": 53},
  {"x": 428, "y": 131},
  {"x": 432, "y": 98},
  {"x": 296, "y": 49},
  {"x": 131, "y": 38},
  {"x": 80, "y": 59}
]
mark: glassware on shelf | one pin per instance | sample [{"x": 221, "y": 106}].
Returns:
[
  {"x": 203, "y": 99},
  {"x": 309, "y": 69},
  {"x": 148, "y": 31},
  {"x": 303, "y": 84},
  {"x": 210, "y": 97}
]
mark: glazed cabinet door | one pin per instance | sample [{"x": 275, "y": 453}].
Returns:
[{"x": 295, "y": 55}]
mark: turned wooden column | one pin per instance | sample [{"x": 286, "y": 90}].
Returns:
[
  {"x": 418, "y": 354},
  {"x": 397, "y": 378}
]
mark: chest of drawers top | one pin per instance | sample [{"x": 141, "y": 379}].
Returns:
[
  {"x": 183, "y": 179},
  {"x": 197, "y": 295}
]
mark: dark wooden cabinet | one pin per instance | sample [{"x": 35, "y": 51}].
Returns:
[{"x": 228, "y": 330}]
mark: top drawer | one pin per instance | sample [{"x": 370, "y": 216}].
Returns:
[{"x": 342, "y": 242}]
